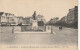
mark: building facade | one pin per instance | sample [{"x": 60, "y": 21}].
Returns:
[
  {"x": 72, "y": 16},
  {"x": 7, "y": 18},
  {"x": 19, "y": 20},
  {"x": 10, "y": 19},
  {"x": 3, "y": 19},
  {"x": 54, "y": 20},
  {"x": 64, "y": 19},
  {"x": 26, "y": 21}
]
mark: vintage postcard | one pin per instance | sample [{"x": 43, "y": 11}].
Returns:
[{"x": 38, "y": 24}]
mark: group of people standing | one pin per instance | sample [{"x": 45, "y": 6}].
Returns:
[{"x": 60, "y": 28}]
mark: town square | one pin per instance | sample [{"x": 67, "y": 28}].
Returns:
[{"x": 35, "y": 29}]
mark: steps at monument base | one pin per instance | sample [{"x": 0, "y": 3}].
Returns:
[
  {"x": 35, "y": 32},
  {"x": 32, "y": 32}
]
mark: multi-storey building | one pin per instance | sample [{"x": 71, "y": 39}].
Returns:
[
  {"x": 3, "y": 19},
  {"x": 19, "y": 20},
  {"x": 64, "y": 19},
  {"x": 40, "y": 18},
  {"x": 7, "y": 18},
  {"x": 26, "y": 21},
  {"x": 54, "y": 20},
  {"x": 72, "y": 16},
  {"x": 10, "y": 19}
]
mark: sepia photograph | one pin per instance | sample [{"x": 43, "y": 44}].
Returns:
[{"x": 44, "y": 23}]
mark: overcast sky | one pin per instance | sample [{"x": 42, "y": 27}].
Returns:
[{"x": 48, "y": 8}]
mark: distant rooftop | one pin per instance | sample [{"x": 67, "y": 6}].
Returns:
[{"x": 1, "y": 13}]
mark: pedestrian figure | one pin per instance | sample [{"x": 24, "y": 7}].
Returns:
[
  {"x": 60, "y": 28},
  {"x": 13, "y": 30},
  {"x": 51, "y": 29}
]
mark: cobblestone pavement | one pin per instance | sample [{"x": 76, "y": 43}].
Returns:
[{"x": 64, "y": 36}]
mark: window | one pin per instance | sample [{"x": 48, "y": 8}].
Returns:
[{"x": 40, "y": 23}]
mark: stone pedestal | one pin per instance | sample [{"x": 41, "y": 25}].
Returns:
[
  {"x": 48, "y": 29},
  {"x": 34, "y": 24}
]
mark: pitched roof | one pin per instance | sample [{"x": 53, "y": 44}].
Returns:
[
  {"x": 1, "y": 13},
  {"x": 19, "y": 17}
]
